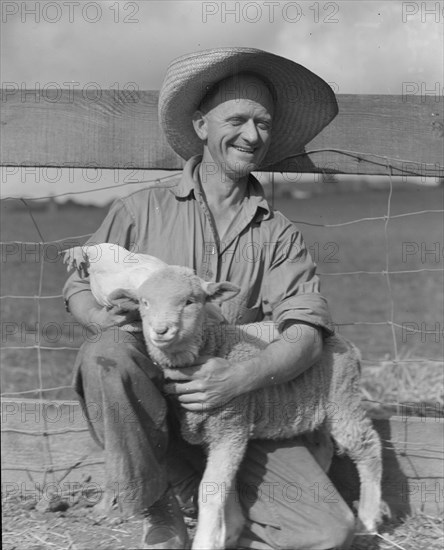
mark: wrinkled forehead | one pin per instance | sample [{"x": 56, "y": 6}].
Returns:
[{"x": 241, "y": 86}]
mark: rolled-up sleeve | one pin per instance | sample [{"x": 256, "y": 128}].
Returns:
[
  {"x": 292, "y": 288},
  {"x": 118, "y": 228}
]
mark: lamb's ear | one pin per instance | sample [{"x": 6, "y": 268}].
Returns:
[
  {"x": 126, "y": 299},
  {"x": 220, "y": 292}
]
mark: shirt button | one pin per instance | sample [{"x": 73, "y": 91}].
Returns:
[{"x": 210, "y": 273}]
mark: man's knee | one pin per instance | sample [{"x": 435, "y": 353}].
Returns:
[
  {"x": 114, "y": 364},
  {"x": 116, "y": 372},
  {"x": 115, "y": 350},
  {"x": 110, "y": 342}
]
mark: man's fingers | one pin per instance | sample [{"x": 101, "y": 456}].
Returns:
[
  {"x": 180, "y": 375},
  {"x": 195, "y": 406},
  {"x": 180, "y": 388},
  {"x": 125, "y": 304},
  {"x": 192, "y": 398}
]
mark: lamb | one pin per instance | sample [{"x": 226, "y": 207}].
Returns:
[{"x": 172, "y": 304}]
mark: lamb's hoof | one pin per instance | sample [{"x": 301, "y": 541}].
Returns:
[
  {"x": 384, "y": 511},
  {"x": 371, "y": 524},
  {"x": 365, "y": 527}
]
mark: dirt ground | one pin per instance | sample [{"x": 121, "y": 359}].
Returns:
[{"x": 26, "y": 527}]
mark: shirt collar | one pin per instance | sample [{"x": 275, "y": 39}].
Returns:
[
  {"x": 257, "y": 197},
  {"x": 189, "y": 182}
]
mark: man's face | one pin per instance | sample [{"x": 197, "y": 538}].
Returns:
[{"x": 235, "y": 125}]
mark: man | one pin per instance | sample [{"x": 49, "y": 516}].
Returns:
[{"x": 227, "y": 111}]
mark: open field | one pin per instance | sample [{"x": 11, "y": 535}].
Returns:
[
  {"x": 416, "y": 298},
  {"x": 413, "y": 243}
]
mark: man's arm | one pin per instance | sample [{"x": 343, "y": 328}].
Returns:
[
  {"x": 215, "y": 381},
  {"x": 299, "y": 347},
  {"x": 118, "y": 227}
]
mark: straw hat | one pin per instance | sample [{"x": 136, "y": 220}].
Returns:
[{"x": 304, "y": 105}]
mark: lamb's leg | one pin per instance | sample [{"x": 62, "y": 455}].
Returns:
[
  {"x": 217, "y": 490},
  {"x": 234, "y": 518},
  {"x": 355, "y": 435}
]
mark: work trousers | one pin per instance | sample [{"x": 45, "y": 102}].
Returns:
[{"x": 287, "y": 498}]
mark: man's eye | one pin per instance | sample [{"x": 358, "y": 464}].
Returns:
[
  {"x": 236, "y": 121},
  {"x": 264, "y": 126}
]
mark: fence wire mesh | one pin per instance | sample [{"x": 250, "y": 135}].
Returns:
[{"x": 51, "y": 466}]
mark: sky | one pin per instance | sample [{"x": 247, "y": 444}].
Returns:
[{"x": 358, "y": 47}]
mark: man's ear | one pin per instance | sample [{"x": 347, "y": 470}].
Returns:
[
  {"x": 200, "y": 125},
  {"x": 124, "y": 298},
  {"x": 220, "y": 292}
]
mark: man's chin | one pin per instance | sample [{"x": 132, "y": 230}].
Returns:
[{"x": 241, "y": 168}]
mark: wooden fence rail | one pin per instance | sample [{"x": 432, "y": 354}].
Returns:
[
  {"x": 413, "y": 455},
  {"x": 120, "y": 130}
]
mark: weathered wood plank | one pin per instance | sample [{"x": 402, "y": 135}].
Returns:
[
  {"x": 413, "y": 465},
  {"x": 408, "y": 131},
  {"x": 120, "y": 130},
  {"x": 413, "y": 455}
]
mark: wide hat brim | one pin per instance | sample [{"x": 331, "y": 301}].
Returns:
[{"x": 304, "y": 103}]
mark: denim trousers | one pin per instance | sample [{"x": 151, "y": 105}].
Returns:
[{"x": 286, "y": 496}]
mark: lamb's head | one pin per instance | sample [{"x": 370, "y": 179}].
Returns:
[{"x": 172, "y": 307}]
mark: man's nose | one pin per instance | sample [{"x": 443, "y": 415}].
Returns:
[{"x": 250, "y": 132}]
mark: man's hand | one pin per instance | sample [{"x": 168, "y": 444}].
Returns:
[
  {"x": 209, "y": 383},
  {"x": 116, "y": 316},
  {"x": 212, "y": 382}
]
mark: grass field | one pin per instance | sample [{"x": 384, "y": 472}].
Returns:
[
  {"x": 416, "y": 298},
  {"x": 414, "y": 243}
]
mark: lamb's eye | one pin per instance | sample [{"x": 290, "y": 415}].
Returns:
[
  {"x": 189, "y": 302},
  {"x": 145, "y": 302}
]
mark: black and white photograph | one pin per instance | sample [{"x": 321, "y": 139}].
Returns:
[{"x": 222, "y": 259}]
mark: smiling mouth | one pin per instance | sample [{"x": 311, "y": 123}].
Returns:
[{"x": 244, "y": 149}]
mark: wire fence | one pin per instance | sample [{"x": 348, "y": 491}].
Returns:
[{"x": 51, "y": 466}]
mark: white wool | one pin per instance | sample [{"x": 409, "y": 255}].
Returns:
[{"x": 177, "y": 329}]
